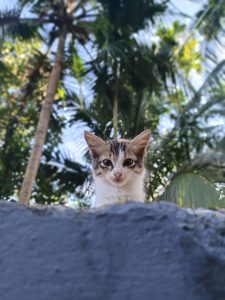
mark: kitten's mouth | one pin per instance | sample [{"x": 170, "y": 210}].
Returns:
[{"x": 118, "y": 181}]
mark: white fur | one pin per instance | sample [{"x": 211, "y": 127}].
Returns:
[{"x": 106, "y": 193}]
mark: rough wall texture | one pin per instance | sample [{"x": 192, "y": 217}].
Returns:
[{"x": 133, "y": 251}]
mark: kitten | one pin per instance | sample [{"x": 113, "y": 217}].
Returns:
[{"x": 118, "y": 168}]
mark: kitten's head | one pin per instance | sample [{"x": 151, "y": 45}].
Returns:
[{"x": 118, "y": 161}]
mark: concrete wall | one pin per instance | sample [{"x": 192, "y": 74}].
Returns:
[{"x": 134, "y": 251}]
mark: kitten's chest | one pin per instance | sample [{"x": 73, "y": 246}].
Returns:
[
  {"x": 114, "y": 194},
  {"x": 108, "y": 194}
]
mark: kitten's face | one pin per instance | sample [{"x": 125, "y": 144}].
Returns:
[{"x": 118, "y": 161}]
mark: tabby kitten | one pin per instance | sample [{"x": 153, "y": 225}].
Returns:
[{"x": 118, "y": 168}]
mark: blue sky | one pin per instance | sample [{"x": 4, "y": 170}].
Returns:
[
  {"x": 188, "y": 6},
  {"x": 7, "y": 4}
]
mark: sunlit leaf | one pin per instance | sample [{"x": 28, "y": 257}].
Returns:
[{"x": 192, "y": 190}]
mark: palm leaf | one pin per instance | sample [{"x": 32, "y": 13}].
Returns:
[
  {"x": 12, "y": 24},
  {"x": 211, "y": 25},
  {"x": 192, "y": 190}
]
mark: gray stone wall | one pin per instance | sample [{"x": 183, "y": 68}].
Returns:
[{"x": 133, "y": 251}]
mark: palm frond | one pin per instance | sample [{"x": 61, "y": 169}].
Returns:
[
  {"x": 13, "y": 25},
  {"x": 192, "y": 190},
  {"x": 212, "y": 25}
]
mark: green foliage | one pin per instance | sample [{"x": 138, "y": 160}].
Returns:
[
  {"x": 24, "y": 75},
  {"x": 12, "y": 26},
  {"x": 125, "y": 69},
  {"x": 149, "y": 88},
  {"x": 192, "y": 190},
  {"x": 130, "y": 14},
  {"x": 151, "y": 82},
  {"x": 212, "y": 16},
  {"x": 58, "y": 178},
  {"x": 188, "y": 55},
  {"x": 17, "y": 114},
  {"x": 30, "y": 69}
]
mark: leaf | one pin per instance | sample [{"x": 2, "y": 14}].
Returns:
[{"x": 192, "y": 190}]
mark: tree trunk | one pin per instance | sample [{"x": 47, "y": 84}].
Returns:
[
  {"x": 139, "y": 100},
  {"x": 43, "y": 122},
  {"x": 115, "y": 106},
  {"x": 115, "y": 116}
]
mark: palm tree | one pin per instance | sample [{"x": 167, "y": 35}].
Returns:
[
  {"x": 65, "y": 19},
  {"x": 187, "y": 163},
  {"x": 133, "y": 82},
  {"x": 22, "y": 78},
  {"x": 43, "y": 122},
  {"x": 140, "y": 105},
  {"x": 126, "y": 73}
]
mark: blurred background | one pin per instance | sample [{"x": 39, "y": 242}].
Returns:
[{"x": 124, "y": 66}]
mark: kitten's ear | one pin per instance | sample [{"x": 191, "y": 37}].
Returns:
[
  {"x": 95, "y": 144},
  {"x": 140, "y": 143}
]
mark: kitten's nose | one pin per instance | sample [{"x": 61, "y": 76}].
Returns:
[{"x": 117, "y": 173}]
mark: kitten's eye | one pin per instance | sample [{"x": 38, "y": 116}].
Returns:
[
  {"x": 107, "y": 162},
  {"x": 128, "y": 162}
]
